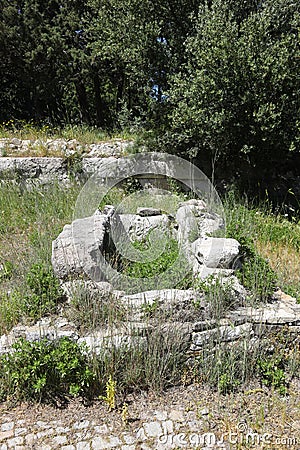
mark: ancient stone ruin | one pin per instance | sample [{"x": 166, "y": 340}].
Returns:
[
  {"x": 84, "y": 259},
  {"x": 186, "y": 312}
]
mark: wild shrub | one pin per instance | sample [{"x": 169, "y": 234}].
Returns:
[
  {"x": 45, "y": 371},
  {"x": 44, "y": 291}
]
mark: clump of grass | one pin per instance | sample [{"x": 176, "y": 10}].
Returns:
[
  {"x": 218, "y": 295},
  {"x": 23, "y": 129},
  {"x": 6, "y": 270},
  {"x": 226, "y": 367},
  {"x": 272, "y": 359},
  {"x": 270, "y": 245},
  {"x": 10, "y": 310},
  {"x": 90, "y": 310},
  {"x": 272, "y": 374},
  {"x": 152, "y": 361},
  {"x": 37, "y": 296},
  {"x": 168, "y": 264}
]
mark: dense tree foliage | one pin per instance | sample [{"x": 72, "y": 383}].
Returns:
[
  {"x": 236, "y": 101},
  {"x": 89, "y": 61},
  {"x": 216, "y": 79}
]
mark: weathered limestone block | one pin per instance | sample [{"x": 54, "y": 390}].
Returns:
[
  {"x": 79, "y": 247},
  {"x": 215, "y": 252},
  {"x": 194, "y": 221},
  {"x": 224, "y": 333}
]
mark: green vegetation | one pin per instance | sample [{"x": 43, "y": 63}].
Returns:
[
  {"x": 152, "y": 268},
  {"x": 272, "y": 374},
  {"x": 229, "y": 367},
  {"x": 229, "y": 102},
  {"x": 154, "y": 361},
  {"x": 91, "y": 310},
  {"x": 213, "y": 80},
  {"x": 44, "y": 291},
  {"x": 6, "y": 270},
  {"x": 38, "y": 134},
  {"x": 217, "y": 293},
  {"x": 216, "y": 82},
  {"x": 30, "y": 219},
  {"x": 156, "y": 358},
  {"x": 46, "y": 371},
  {"x": 270, "y": 246}
]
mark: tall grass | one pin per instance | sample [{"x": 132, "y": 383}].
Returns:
[
  {"x": 82, "y": 133},
  {"x": 30, "y": 219},
  {"x": 272, "y": 235}
]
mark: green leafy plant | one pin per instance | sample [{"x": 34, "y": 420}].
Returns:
[
  {"x": 258, "y": 277},
  {"x": 44, "y": 293},
  {"x": 149, "y": 309},
  {"x": 227, "y": 384},
  {"x": 42, "y": 281},
  {"x": 272, "y": 373},
  {"x": 45, "y": 371}
]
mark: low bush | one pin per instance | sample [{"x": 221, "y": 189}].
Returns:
[
  {"x": 44, "y": 290},
  {"x": 45, "y": 371},
  {"x": 272, "y": 373}
]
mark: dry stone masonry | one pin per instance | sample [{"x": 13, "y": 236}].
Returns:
[
  {"x": 80, "y": 249},
  {"x": 45, "y": 161},
  {"x": 75, "y": 258}
]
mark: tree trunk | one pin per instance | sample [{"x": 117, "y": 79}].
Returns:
[{"x": 82, "y": 100}]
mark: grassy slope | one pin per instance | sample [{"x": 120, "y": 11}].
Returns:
[{"x": 31, "y": 219}]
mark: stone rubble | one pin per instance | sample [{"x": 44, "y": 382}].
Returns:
[
  {"x": 159, "y": 429},
  {"x": 241, "y": 323},
  {"x": 79, "y": 248},
  {"x": 76, "y": 249},
  {"x": 62, "y": 147}
]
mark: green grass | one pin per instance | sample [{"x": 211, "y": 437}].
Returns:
[
  {"x": 82, "y": 133},
  {"x": 30, "y": 220},
  {"x": 272, "y": 236}
]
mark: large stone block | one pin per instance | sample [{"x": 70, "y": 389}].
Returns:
[
  {"x": 215, "y": 252},
  {"x": 78, "y": 250}
]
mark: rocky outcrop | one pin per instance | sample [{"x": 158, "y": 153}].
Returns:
[
  {"x": 215, "y": 252},
  {"x": 79, "y": 247},
  {"x": 84, "y": 246}
]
